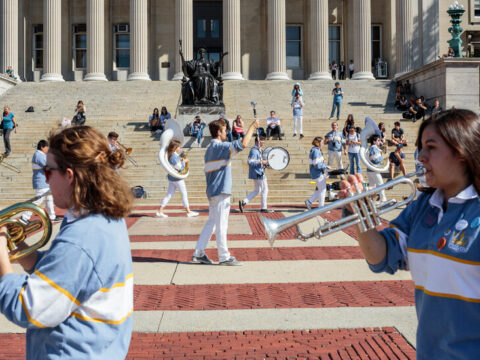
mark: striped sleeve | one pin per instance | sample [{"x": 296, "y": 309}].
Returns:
[
  {"x": 54, "y": 290},
  {"x": 396, "y": 237}
]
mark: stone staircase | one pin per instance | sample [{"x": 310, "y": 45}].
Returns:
[{"x": 125, "y": 106}]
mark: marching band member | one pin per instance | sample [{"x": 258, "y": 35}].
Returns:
[
  {"x": 112, "y": 139},
  {"x": 317, "y": 172},
  {"x": 375, "y": 156},
  {"x": 175, "y": 184},
  {"x": 437, "y": 237},
  {"x": 256, "y": 172},
  {"x": 39, "y": 182},
  {"x": 218, "y": 173},
  {"x": 77, "y": 299}
]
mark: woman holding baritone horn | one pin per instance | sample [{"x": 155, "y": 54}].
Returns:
[
  {"x": 437, "y": 237},
  {"x": 77, "y": 301}
]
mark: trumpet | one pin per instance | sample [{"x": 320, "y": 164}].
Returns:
[
  {"x": 9, "y": 166},
  {"x": 17, "y": 231},
  {"x": 366, "y": 213},
  {"x": 127, "y": 152}
]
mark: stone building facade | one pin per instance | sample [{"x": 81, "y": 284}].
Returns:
[{"x": 75, "y": 40}]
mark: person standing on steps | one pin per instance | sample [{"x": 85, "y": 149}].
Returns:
[
  {"x": 297, "y": 106},
  {"x": 337, "y": 93},
  {"x": 8, "y": 124}
]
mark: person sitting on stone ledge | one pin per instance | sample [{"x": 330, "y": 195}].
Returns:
[
  {"x": 10, "y": 72},
  {"x": 238, "y": 128},
  {"x": 196, "y": 129},
  {"x": 403, "y": 104},
  {"x": 416, "y": 112},
  {"x": 273, "y": 126}
]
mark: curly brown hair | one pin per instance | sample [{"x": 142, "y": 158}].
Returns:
[{"x": 97, "y": 186}]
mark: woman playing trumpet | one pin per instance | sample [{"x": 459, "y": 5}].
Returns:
[
  {"x": 77, "y": 300},
  {"x": 437, "y": 238},
  {"x": 175, "y": 184}
]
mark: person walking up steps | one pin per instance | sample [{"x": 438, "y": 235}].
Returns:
[{"x": 297, "y": 106}]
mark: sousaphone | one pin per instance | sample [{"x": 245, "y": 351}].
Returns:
[{"x": 370, "y": 129}]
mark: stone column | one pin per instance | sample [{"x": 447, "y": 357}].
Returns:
[
  {"x": 232, "y": 40},
  {"x": 52, "y": 40},
  {"x": 184, "y": 32},
  {"x": 277, "y": 52},
  {"x": 9, "y": 51},
  {"x": 138, "y": 40},
  {"x": 362, "y": 54},
  {"x": 404, "y": 28},
  {"x": 319, "y": 41},
  {"x": 95, "y": 41}
]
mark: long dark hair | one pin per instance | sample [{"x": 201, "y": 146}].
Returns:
[
  {"x": 460, "y": 129},
  {"x": 155, "y": 113}
]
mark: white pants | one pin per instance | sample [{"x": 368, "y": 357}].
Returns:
[
  {"x": 172, "y": 187},
  {"x": 48, "y": 200},
  {"x": 375, "y": 179},
  {"x": 298, "y": 122},
  {"x": 335, "y": 156},
  {"x": 319, "y": 195},
  {"x": 219, "y": 210},
  {"x": 261, "y": 186}
]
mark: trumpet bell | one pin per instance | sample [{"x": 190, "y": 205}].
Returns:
[{"x": 17, "y": 231}]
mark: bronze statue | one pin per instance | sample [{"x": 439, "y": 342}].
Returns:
[{"x": 201, "y": 84}]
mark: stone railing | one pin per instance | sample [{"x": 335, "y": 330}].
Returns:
[{"x": 454, "y": 81}]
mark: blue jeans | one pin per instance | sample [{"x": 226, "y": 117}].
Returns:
[
  {"x": 354, "y": 157},
  {"x": 198, "y": 135},
  {"x": 336, "y": 105}
]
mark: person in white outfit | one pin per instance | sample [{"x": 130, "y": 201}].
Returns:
[
  {"x": 256, "y": 172},
  {"x": 39, "y": 182},
  {"x": 297, "y": 105},
  {"x": 175, "y": 184}
]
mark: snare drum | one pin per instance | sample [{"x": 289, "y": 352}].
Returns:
[{"x": 277, "y": 157}]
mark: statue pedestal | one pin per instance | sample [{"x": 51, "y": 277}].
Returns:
[{"x": 187, "y": 113}]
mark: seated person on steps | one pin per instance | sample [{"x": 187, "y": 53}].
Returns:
[
  {"x": 398, "y": 136},
  {"x": 273, "y": 126}
]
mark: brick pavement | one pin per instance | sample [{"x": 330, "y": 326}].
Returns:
[
  {"x": 274, "y": 296},
  {"x": 363, "y": 343}
]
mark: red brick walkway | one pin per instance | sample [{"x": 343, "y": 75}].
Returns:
[
  {"x": 271, "y": 296},
  {"x": 368, "y": 343},
  {"x": 256, "y": 254}
]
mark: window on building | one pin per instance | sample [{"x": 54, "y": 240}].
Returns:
[
  {"x": 80, "y": 46},
  {"x": 294, "y": 46},
  {"x": 38, "y": 47},
  {"x": 476, "y": 8},
  {"x": 121, "y": 46},
  {"x": 334, "y": 38},
  {"x": 376, "y": 42}
]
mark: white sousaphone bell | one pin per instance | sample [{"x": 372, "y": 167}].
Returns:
[
  {"x": 172, "y": 131},
  {"x": 370, "y": 129}
]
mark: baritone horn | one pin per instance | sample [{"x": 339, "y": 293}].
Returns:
[
  {"x": 17, "y": 231},
  {"x": 172, "y": 131},
  {"x": 366, "y": 213}
]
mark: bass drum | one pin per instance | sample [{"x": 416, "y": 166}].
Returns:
[{"x": 277, "y": 157}]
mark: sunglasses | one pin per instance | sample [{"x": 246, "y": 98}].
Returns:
[{"x": 47, "y": 170}]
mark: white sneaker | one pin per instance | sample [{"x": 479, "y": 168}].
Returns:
[
  {"x": 192, "y": 214},
  {"x": 161, "y": 214}
]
